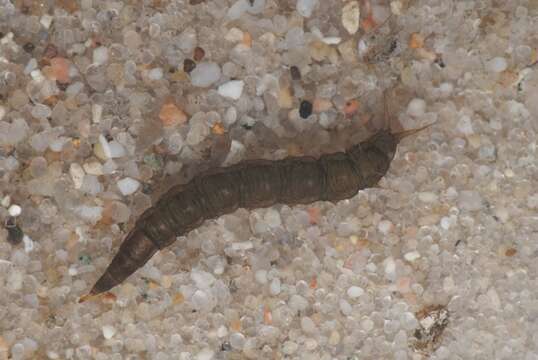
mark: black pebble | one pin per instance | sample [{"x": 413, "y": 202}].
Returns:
[
  {"x": 305, "y": 110},
  {"x": 14, "y": 232},
  {"x": 28, "y": 47},
  {"x": 188, "y": 65},
  {"x": 295, "y": 73}
]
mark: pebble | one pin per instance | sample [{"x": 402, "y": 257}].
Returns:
[
  {"x": 231, "y": 89},
  {"x": 171, "y": 115},
  {"x": 465, "y": 125},
  {"x": 28, "y": 246},
  {"x": 205, "y": 74},
  {"x": 234, "y": 35},
  {"x": 427, "y": 197},
  {"x": 108, "y": 331},
  {"x": 97, "y": 113},
  {"x": 308, "y": 325},
  {"x": 14, "y": 210},
  {"x": 385, "y": 226},
  {"x": 93, "y": 168},
  {"x": 305, "y": 109},
  {"x": 205, "y": 354},
  {"x": 155, "y": 74},
  {"x": 416, "y": 107},
  {"x": 497, "y": 65},
  {"x": 351, "y": 17},
  {"x": 100, "y": 55},
  {"x": 354, "y": 292},
  {"x": 60, "y": 69},
  {"x": 470, "y": 200},
  {"x": 128, "y": 186},
  {"x": 274, "y": 288},
  {"x": 188, "y": 65},
  {"x": 305, "y": 8},
  {"x": 2, "y": 112},
  {"x": 77, "y": 174},
  {"x": 412, "y": 256}
]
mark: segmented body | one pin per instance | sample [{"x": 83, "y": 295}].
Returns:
[{"x": 250, "y": 184}]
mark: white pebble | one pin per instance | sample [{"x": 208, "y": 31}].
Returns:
[
  {"x": 470, "y": 200},
  {"x": 390, "y": 267},
  {"x": 128, "y": 186},
  {"x": 116, "y": 149},
  {"x": 261, "y": 276},
  {"x": 306, "y": 7},
  {"x": 385, "y": 226},
  {"x": 100, "y": 55},
  {"x": 6, "y": 200},
  {"x": 354, "y": 292},
  {"x": 155, "y": 74},
  {"x": 97, "y": 113},
  {"x": 234, "y": 35},
  {"x": 465, "y": 125},
  {"x": 205, "y": 354},
  {"x": 350, "y": 17},
  {"x": 274, "y": 288},
  {"x": 46, "y": 21},
  {"x": 412, "y": 256},
  {"x": 416, "y": 107},
  {"x": 14, "y": 210},
  {"x": 77, "y": 175},
  {"x": 108, "y": 331},
  {"x": 28, "y": 243},
  {"x": 497, "y": 64},
  {"x": 427, "y": 197},
  {"x": 93, "y": 168},
  {"x": 231, "y": 89},
  {"x": 237, "y": 9},
  {"x": 205, "y": 74},
  {"x": 2, "y": 112}
]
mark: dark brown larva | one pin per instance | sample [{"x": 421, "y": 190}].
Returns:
[{"x": 249, "y": 184}]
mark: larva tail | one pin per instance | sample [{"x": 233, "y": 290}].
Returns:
[{"x": 133, "y": 253}]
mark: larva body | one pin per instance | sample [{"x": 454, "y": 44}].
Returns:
[{"x": 250, "y": 184}]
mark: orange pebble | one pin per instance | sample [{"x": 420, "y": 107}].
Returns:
[
  {"x": 267, "y": 316},
  {"x": 171, "y": 115},
  {"x": 351, "y": 107},
  {"x": 416, "y": 41},
  {"x": 218, "y": 129},
  {"x": 235, "y": 325},
  {"x": 60, "y": 69},
  {"x": 247, "y": 39},
  {"x": 313, "y": 215},
  {"x": 178, "y": 299},
  {"x": 368, "y": 23},
  {"x": 313, "y": 283}
]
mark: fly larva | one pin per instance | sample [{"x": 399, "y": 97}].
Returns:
[{"x": 250, "y": 184}]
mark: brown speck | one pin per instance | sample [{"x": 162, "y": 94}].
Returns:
[
  {"x": 199, "y": 53},
  {"x": 188, "y": 65},
  {"x": 295, "y": 73},
  {"x": 510, "y": 252},
  {"x": 196, "y": 2},
  {"x": 50, "y": 52}
]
